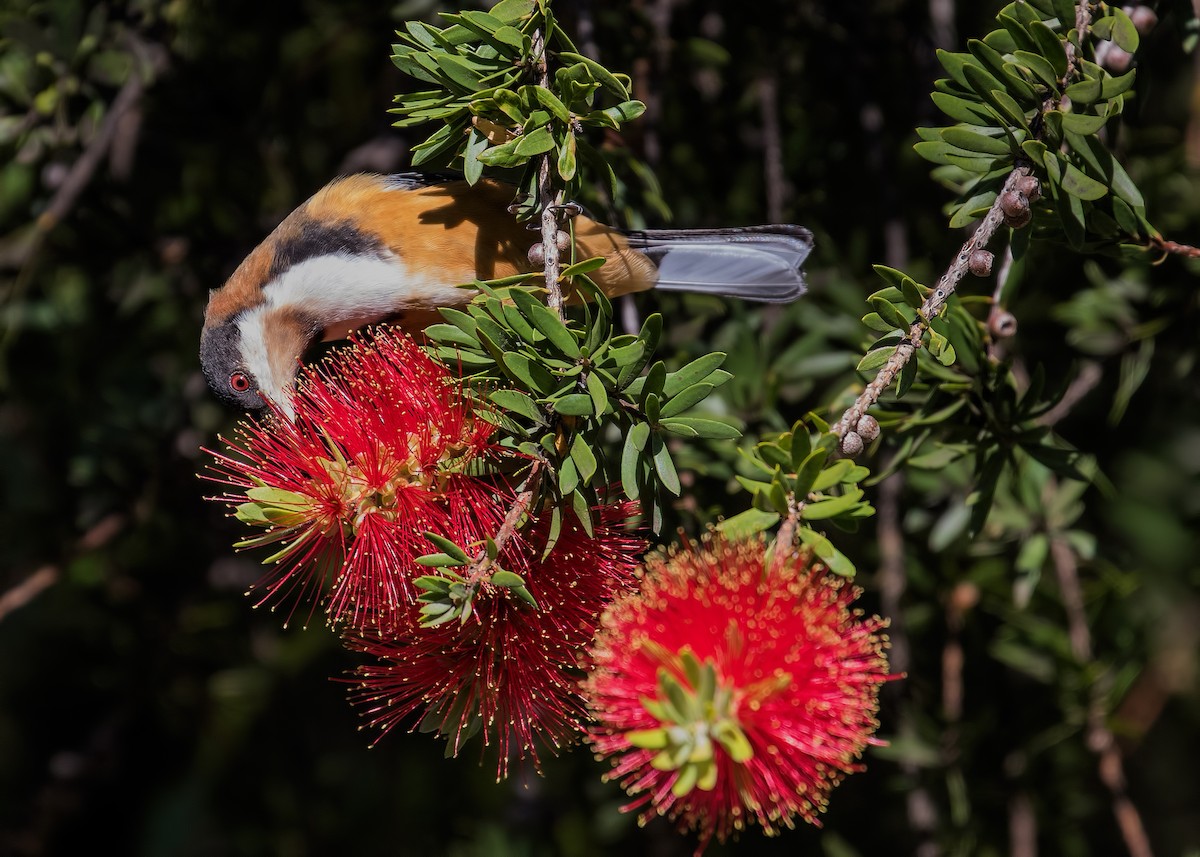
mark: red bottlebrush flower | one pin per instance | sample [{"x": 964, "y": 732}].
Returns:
[
  {"x": 510, "y": 670},
  {"x": 726, "y": 691},
  {"x": 383, "y": 447}
]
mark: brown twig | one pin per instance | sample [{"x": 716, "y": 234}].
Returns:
[
  {"x": 1083, "y": 22},
  {"x": 28, "y": 589},
  {"x": 1022, "y": 826},
  {"x": 549, "y": 199},
  {"x": 150, "y": 59},
  {"x": 512, "y": 522},
  {"x": 100, "y": 534},
  {"x": 1089, "y": 376},
  {"x": 1162, "y": 245},
  {"x": 1100, "y": 739},
  {"x": 931, "y": 307},
  {"x": 785, "y": 539}
]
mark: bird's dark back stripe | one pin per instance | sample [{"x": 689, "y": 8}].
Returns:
[{"x": 321, "y": 239}]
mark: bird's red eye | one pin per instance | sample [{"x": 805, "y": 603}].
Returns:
[{"x": 239, "y": 382}]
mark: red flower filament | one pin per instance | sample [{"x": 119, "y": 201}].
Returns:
[
  {"x": 384, "y": 446},
  {"x": 726, "y": 692},
  {"x": 510, "y": 671}
]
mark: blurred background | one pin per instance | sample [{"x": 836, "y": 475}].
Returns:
[{"x": 146, "y": 709}]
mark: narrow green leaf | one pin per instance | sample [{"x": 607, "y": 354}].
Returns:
[
  {"x": 546, "y": 321},
  {"x": 975, "y": 142},
  {"x": 584, "y": 458},
  {"x": 635, "y": 442},
  {"x": 835, "y": 560},
  {"x": 597, "y": 391},
  {"x": 599, "y": 72},
  {"x": 1076, "y": 183},
  {"x": 574, "y": 405},
  {"x": 809, "y": 470},
  {"x": 700, "y": 427},
  {"x": 961, "y": 109},
  {"x": 1124, "y": 32},
  {"x": 567, "y": 160},
  {"x": 663, "y": 464},
  {"x": 472, "y": 166},
  {"x": 518, "y": 402},
  {"x": 825, "y": 509},
  {"x": 535, "y": 142},
  {"x": 448, "y": 547},
  {"x": 585, "y": 266},
  {"x": 551, "y": 102},
  {"x": 693, "y": 372},
  {"x": 687, "y": 398},
  {"x": 1082, "y": 123},
  {"x": 748, "y": 523},
  {"x": 875, "y": 358},
  {"x": 891, "y": 316},
  {"x": 1050, "y": 46}
]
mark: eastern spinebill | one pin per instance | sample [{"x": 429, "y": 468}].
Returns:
[{"x": 368, "y": 248}]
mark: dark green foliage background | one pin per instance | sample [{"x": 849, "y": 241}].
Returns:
[{"x": 146, "y": 709}]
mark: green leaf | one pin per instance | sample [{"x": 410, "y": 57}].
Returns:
[
  {"x": 597, "y": 391},
  {"x": 635, "y": 442},
  {"x": 1124, "y": 32},
  {"x": 506, "y": 579},
  {"x": 584, "y": 458},
  {"x": 687, "y": 398},
  {"x": 663, "y": 464},
  {"x": 534, "y": 142},
  {"x": 1039, "y": 65},
  {"x": 995, "y": 95},
  {"x": 693, "y": 372},
  {"x": 567, "y": 161},
  {"x": 546, "y": 321},
  {"x": 961, "y": 109},
  {"x": 748, "y": 523},
  {"x": 875, "y": 358},
  {"x": 700, "y": 427},
  {"x": 599, "y": 72},
  {"x": 585, "y": 266},
  {"x": 1082, "y": 123},
  {"x": 1050, "y": 46},
  {"x": 1076, "y": 183},
  {"x": 518, "y": 402},
  {"x": 809, "y": 470},
  {"x": 574, "y": 405},
  {"x": 458, "y": 71},
  {"x": 824, "y": 509},
  {"x": 1111, "y": 87},
  {"x": 503, "y": 156},
  {"x": 891, "y": 316},
  {"x": 1085, "y": 91},
  {"x": 975, "y": 142},
  {"x": 448, "y": 547},
  {"x": 823, "y": 549},
  {"x": 551, "y": 102},
  {"x": 472, "y": 166}
]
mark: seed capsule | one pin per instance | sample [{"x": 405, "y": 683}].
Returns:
[
  {"x": 1002, "y": 324},
  {"x": 1031, "y": 187},
  {"x": 867, "y": 428},
  {"x": 537, "y": 255},
  {"x": 1015, "y": 206},
  {"x": 980, "y": 263},
  {"x": 852, "y": 444}
]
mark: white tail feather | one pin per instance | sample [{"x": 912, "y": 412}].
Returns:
[{"x": 760, "y": 263}]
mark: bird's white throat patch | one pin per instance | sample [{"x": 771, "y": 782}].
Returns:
[{"x": 338, "y": 291}]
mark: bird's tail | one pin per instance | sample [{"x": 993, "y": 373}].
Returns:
[{"x": 754, "y": 263}]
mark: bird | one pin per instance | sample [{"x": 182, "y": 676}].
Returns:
[{"x": 371, "y": 248}]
